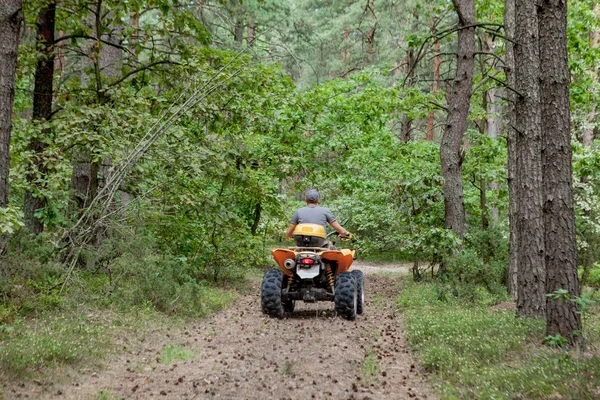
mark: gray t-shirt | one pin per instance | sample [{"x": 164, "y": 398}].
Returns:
[{"x": 312, "y": 215}]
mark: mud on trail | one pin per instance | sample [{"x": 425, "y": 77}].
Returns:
[{"x": 242, "y": 354}]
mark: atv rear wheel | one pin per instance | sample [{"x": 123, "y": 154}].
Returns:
[
  {"x": 346, "y": 295},
  {"x": 270, "y": 293},
  {"x": 360, "y": 284}
]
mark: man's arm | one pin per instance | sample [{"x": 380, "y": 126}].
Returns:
[
  {"x": 290, "y": 231},
  {"x": 336, "y": 225}
]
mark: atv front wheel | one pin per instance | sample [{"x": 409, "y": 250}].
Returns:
[
  {"x": 270, "y": 293},
  {"x": 346, "y": 295},
  {"x": 360, "y": 284}
]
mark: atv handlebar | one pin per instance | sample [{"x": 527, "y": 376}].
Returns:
[{"x": 349, "y": 236}]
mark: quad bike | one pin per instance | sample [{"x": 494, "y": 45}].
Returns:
[{"x": 311, "y": 272}]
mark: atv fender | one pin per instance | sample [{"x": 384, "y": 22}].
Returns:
[
  {"x": 280, "y": 255},
  {"x": 344, "y": 258}
]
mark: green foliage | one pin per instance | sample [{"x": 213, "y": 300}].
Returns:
[
  {"x": 11, "y": 219},
  {"x": 586, "y": 170},
  {"x": 165, "y": 282}
]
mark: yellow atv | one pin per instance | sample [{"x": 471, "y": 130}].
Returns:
[{"x": 313, "y": 271}]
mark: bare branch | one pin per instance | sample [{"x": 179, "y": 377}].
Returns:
[
  {"x": 506, "y": 85},
  {"x": 438, "y": 105},
  {"x": 140, "y": 69}
]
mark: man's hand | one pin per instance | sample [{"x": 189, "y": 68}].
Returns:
[{"x": 346, "y": 236}]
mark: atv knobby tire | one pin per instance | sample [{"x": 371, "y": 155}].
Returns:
[
  {"x": 360, "y": 284},
  {"x": 346, "y": 296},
  {"x": 270, "y": 293}
]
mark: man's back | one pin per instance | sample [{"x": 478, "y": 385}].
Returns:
[{"x": 313, "y": 215}]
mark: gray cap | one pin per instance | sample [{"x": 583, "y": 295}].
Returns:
[{"x": 311, "y": 196}]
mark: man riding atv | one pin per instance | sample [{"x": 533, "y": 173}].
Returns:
[
  {"x": 313, "y": 214},
  {"x": 313, "y": 270}
]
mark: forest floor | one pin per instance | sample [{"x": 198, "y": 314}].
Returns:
[{"x": 241, "y": 354}]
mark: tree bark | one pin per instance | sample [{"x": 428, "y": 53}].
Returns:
[
  {"x": 531, "y": 299},
  {"x": 42, "y": 111},
  {"x": 513, "y": 206},
  {"x": 251, "y": 32},
  {"x": 345, "y": 49},
  {"x": 562, "y": 315},
  {"x": 11, "y": 17},
  {"x": 456, "y": 124},
  {"x": 370, "y": 38},
  {"x": 436, "y": 84},
  {"x": 493, "y": 118},
  {"x": 405, "y": 121},
  {"x": 256, "y": 220},
  {"x": 238, "y": 32},
  {"x": 88, "y": 176}
]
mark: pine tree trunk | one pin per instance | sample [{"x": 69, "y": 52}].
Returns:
[
  {"x": 88, "y": 176},
  {"x": 436, "y": 85},
  {"x": 42, "y": 111},
  {"x": 562, "y": 316},
  {"x": 509, "y": 28},
  {"x": 370, "y": 39},
  {"x": 456, "y": 124},
  {"x": 238, "y": 32},
  {"x": 345, "y": 49},
  {"x": 493, "y": 119},
  {"x": 531, "y": 300},
  {"x": 11, "y": 17},
  {"x": 251, "y": 32},
  {"x": 587, "y": 137}
]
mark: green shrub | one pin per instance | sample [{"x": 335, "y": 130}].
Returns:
[
  {"x": 482, "y": 262},
  {"x": 29, "y": 280},
  {"x": 448, "y": 293},
  {"x": 166, "y": 282}
]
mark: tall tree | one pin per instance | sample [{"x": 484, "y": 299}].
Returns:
[
  {"x": 456, "y": 123},
  {"x": 10, "y": 23},
  {"x": 531, "y": 298},
  {"x": 42, "y": 111},
  {"x": 410, "y": 60},
  {"x": 513, "y": 206},
  {"x": 562, "y": 314},
  {"x": 588, "y": 131},
  {"x": 436, "y": 81},
  {"x": 106, "y": 59}
]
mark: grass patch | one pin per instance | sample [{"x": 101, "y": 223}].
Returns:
[
  {"x": 173, "y": 352},
  {"x": 370, "y": 367},
  {"x": 51, "y": 341},
  {"x": 287, "y": 369},
  {"x": 479, "y": 353}
]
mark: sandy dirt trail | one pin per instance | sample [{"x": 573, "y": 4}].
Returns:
[{"x": 241, "y": 354}]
